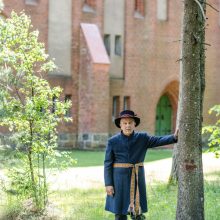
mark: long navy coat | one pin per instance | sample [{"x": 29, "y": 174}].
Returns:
[{"x": 128, "y": 149}]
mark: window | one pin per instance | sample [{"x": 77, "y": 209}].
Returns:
[
  {"x": 90, "y": 3},
  {"x": 89, "y": 6},
  {"x": 139, "y": 8},
  {"x": 126, "y": 103},
  {"x": 107, "y": 42},
  {"x": 162, "y": 10},
  {"x": 54, "y": 100},
  {"x": 115, "y": 107},
  {"x": 31, "y": 2},
  {"x": 68, "y": 98},
  {"x": 118, "y": 45}
]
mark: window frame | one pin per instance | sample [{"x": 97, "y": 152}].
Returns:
[
  {"x": 118, "y": 45},
  {"x": 127, "y": 103},
  {"x": 31, "y": 2},
  {"x": 107, "y": 43},
  {"x": 68, "y": 97},
  {"x": 115, "y": 107}
]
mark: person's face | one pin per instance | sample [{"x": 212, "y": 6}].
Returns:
[{"x": 127, "y": 126}]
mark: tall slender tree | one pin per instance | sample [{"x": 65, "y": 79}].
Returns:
[
  {"x": 27, "y": 105},
  {"x": 190, "y": 205}
]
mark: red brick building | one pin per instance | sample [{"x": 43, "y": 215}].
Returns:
[{"x": 141, "y": 71}]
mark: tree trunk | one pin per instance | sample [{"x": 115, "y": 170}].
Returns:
[
  {"x": 31, "y": 166},
  {"x": 173, "y": 179},
  {"x": 190, "y": 205}
]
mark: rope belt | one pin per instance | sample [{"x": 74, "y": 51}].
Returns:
[{"x": 135, "y": 168}]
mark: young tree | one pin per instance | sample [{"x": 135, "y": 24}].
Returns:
[
  {"x": 29, "y": 107},
  {"x": 190, "y": 203}
]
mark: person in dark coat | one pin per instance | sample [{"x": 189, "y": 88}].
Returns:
[{"x": 123, "y": 167}]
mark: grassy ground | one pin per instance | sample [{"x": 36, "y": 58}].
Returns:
[
  {"x": 90, "y": 158},
  {"x": 84, "y": 158},
  {"x": 78, "y": 204},
  {"x": 89, "y": 204}
]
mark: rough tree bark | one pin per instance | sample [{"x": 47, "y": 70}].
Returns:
[
  {"x": 173, "y": 179},
  {"x": 190, "y": 205}
]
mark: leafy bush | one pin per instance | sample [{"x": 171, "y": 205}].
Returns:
[
  {"x": 214, "y": 132},
  {"x": 29, "y": 107}
]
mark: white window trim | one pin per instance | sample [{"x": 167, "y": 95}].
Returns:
[{"x": 31, "y": 2}]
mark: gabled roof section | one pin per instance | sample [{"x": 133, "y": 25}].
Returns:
[{"x": 95, "y": 43}]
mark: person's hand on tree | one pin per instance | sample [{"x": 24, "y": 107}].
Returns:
[
  {"x": 109, "y": 190},
  {"x": 176, "y": 134}
]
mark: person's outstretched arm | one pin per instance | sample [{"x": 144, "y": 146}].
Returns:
[{"x": 155, "y": 141}]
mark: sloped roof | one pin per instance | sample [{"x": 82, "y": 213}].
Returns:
[{"x": 95, "y": 43}]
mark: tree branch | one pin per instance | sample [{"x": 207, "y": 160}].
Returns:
[
  {"x": 211, "y": 6},
  {"x": 5, "y": 86},
  {"x": 176, "y": 41},
  {"x": 179, "y": 60},
  {"x": 207, "y": 44},
  {"x": 201, "y": 8},
  {"x": 18, "y": 95}
]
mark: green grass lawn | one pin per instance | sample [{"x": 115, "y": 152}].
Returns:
[
  {"x": 8, "y": 158},
  {"x": 79, "y": 204},
  {"x": 96, "y": 158}
]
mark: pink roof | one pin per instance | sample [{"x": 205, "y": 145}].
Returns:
[{"x": 95, "y": 43}]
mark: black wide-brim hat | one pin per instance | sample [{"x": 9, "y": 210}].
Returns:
[{"x": 127, "y": 114}]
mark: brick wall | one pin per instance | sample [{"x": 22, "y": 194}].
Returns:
[
  {"x": 151, "y": 51},
  {"x": 151, "y": 70},
  {"x": 38, "y": 13}
]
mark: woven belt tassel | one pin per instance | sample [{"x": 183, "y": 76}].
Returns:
[
  {"x": 136, "y": 210},
  {"x": 132, "y": 190},
  {"x": 137, "y": 197}
]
